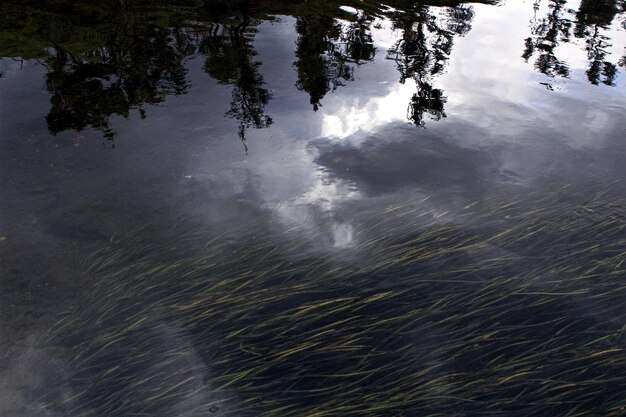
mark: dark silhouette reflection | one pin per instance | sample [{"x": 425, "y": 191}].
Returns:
[
  {"x": 423, "y": 50},
  {"x": 547, "y": 34},
  {"x": 561, "y": 24},
  {"x": 135, "y": 65},
  {"x": 109, "y": 59},
  {"x": 592, "y": 19},
  {"x": 229, "y": 53},
  {"x": 325, "y": 50},
  {"x": 106, "y": 60},
  {"x": 126, "y": 58}
]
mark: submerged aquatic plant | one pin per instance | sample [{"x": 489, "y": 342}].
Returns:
[{"x": 515, "y": 308}]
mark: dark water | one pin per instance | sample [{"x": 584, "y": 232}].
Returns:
[{"x": 313, "y": 208}]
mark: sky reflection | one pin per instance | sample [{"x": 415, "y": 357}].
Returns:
[{"x": 317, "y": 122}]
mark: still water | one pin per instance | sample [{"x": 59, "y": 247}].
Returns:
[{"x": 285, "y": 208}]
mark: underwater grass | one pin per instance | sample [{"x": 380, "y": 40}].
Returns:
[{"x": 515, "y": 308}]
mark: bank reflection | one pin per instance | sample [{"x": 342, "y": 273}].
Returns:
[
  {"x": 129, "y": 59},
  {"x": 141, "y": 66}
]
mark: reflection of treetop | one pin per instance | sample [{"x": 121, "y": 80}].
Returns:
[
  {"x": 590, "y": 23},
  {"x": 326, "y": 48},
  {"x": 129, "y": 71},
  {"x": 106, "y": 58},
  {"x": 110, "y": 57},
  {"x": 422, "y": 51},
  {"x": 228, "y": 50}
]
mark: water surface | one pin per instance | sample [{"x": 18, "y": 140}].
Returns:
[{"x": 285, "y": 208}]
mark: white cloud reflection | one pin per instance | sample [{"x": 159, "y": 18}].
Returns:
[
  {"x": 352, "y": 114},
  {"x": 498, "y": 111}
]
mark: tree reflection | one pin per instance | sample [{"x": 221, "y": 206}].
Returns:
[
  {"x": 141, "y": 65},
  {"x": 138, "y": 57},
  {"x": 229, "y": 60},
  {"x": 592, "y": 19},
  {"x": 106, "y": 60},
  {"x": 327, "y": 50},
  {"x": 590, "y": 23},
  {"x": 422, "y": 51},
  {"x": 547, "y": 34}
]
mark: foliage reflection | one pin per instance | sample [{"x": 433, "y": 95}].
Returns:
[{"x": 110, "y": 59}]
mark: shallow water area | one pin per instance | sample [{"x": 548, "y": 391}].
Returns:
[{"x": 287, "y": 208}]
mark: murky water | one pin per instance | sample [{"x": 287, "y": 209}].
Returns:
[{"x": 313, "y": 209}]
